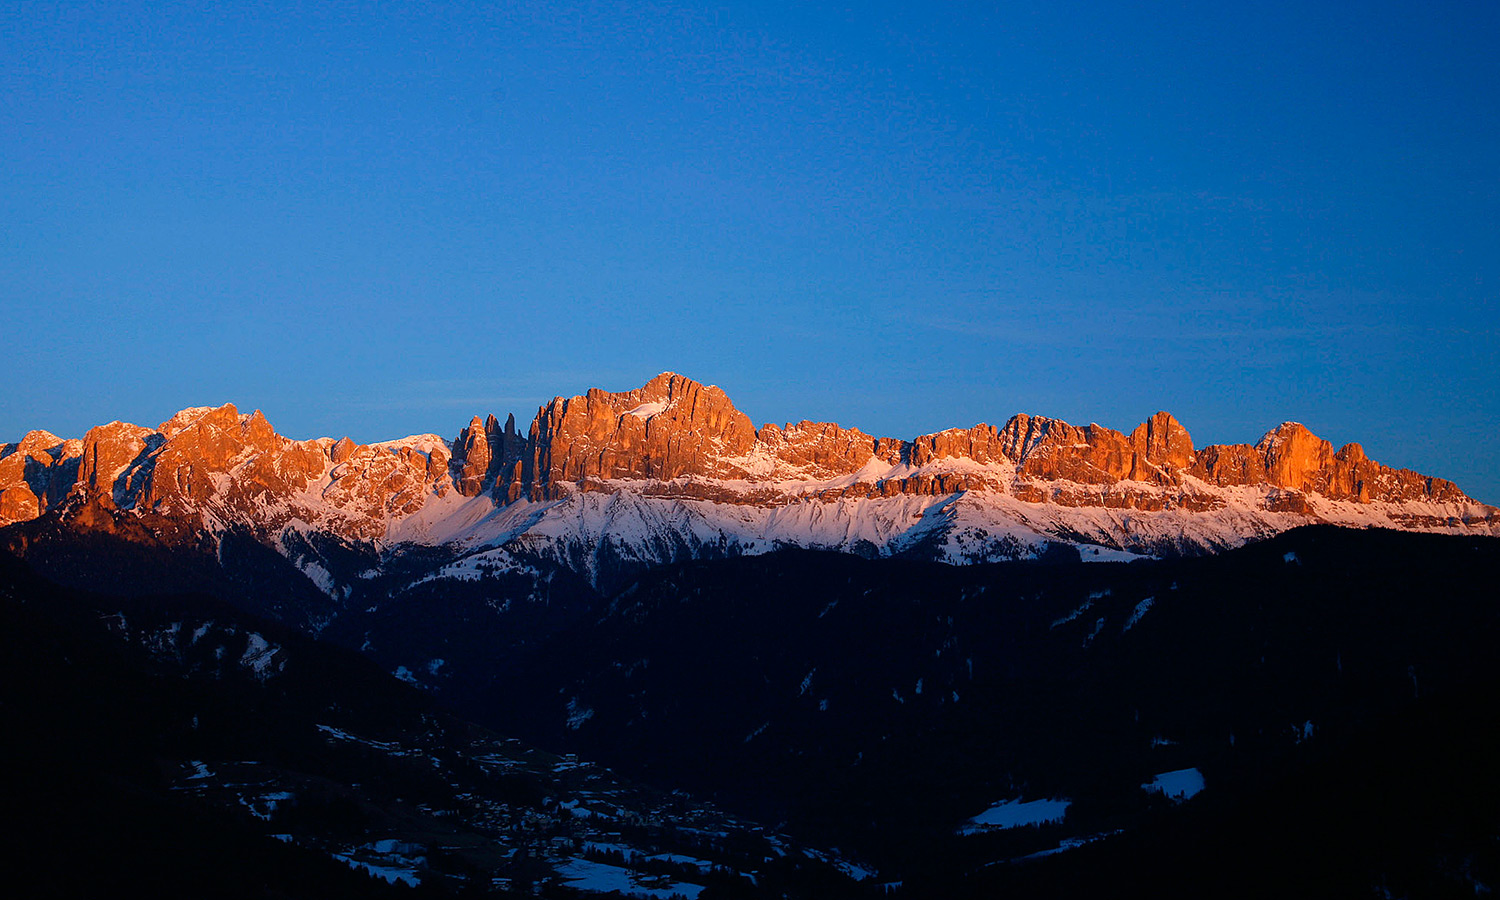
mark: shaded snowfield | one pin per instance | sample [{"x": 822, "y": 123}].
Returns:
[
  {"x": 628, "y": 524},
  {"x": 647, "y": 522}
]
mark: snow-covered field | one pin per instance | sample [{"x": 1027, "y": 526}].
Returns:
[
  {"x": 1016, "y": 814},
  {"x": 1178, "y": 785}
]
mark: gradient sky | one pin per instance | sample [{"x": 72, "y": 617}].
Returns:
[{"x": 379, "y": 219}]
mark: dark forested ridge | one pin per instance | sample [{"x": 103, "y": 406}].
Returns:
[
  {"x": 878, "y": 704},
  {"x": 1332, "y": 690},
  {"x": 87, "y": 791},
  {"x": 175, "y": 746}
]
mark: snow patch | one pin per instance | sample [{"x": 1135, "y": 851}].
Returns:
[
  {"x": 1177, "y": 785},
  {"x": 1016, "y": 814},
  {"x": 320, "y": 577},
  {"x": 647, "y": 410},
  {"x": 577, "y": 714},
  {"x": 392, "y": 874},
  {"x": 260, "y": 656},
  {"x": 1140, "y": 610},
  {"x": 853, "y": 870},
  {"x": 602, "y": 878},
  {"x": 1098, "y": 627}
]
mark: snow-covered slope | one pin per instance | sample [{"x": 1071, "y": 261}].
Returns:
[{"x": 625, "y": 525}]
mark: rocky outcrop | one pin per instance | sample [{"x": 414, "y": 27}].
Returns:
[
  {"x": 111, "y": 454},
  {"x": 668, "y": 428},
  {"x": 485, "y": 457},
  {"x": 825, "y": 450},
  {"x": 1051, "y": 449},
  {"x": 473, "y": 454},
  {"x": 35, "y": 474},
  {"x": 216, "y": 465},
  {"x": 1160, "y": 444},
  {"x": 375, "y": 485},
  {"x": 1293, "y": 458},
  {"x": 198, "y": 448},
  {"x": 982, "y": 443}
]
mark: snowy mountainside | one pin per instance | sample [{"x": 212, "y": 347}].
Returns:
[{"x": 631, "y": 524}]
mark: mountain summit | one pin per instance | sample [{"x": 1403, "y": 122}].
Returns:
[{"x": 672, "y": 470}]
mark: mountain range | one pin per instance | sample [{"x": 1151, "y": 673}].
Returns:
[{"x": 607, "y": 484}]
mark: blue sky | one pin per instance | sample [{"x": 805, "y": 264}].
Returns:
[{"x": 382, "y": 219}]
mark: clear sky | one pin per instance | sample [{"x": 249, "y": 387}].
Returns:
[{"x": 379, "y": 219}]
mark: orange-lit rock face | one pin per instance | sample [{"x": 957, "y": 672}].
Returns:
[
  {"x": 1230, "y": 464},
  {"x": 486, "y": 455},
  {"x": 670, "y": 438},
  {"x": 1052, "y": 449},
  {"x": 238, "y": 466},
  {"x": 18, "y": 502},
  {"x": 1163, "y": 444},
  {"x": 199, "y": 450},
  {"x": 109, "y": 456},
  {"x": 373, "y": 485},
  {"x": 232, "y": 466},
  {"x": 1156, "y": 452},
  {"x": 35, "y": 474},
  {"x": 822, "y": 449},
  {"x": 982, "y": 443},
  {"x": 672, "y": 426},
  {"x": 473, "y": 449},
  {"x": 1295, "y": 457},
  {"x": 1292, "y": 457}
]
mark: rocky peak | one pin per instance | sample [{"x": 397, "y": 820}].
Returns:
[
  {"x": 34, "y": 444},
  {"x": 472, "y": 454},
  {"x": 1163, "y": 442},
  {"x": 1022, "y": 434},
  {"x": 35, "y": 473},
  {"x": 1294, "y": 456},
  {"x": 819, "y": 449},
  {"x": 982, "y": 443},
  {"x": 109, "y": 452},
  {"x": 189, "y": 417},
  {"x": 1352, "y": 454},
  {"x": 200, "y": 445},
  {"x": 485, "y": 455},
  {"x": 1052, "y": 449},
  {"x": 670, "y": 427},
  {"x": 344, "y": 448},
  {"x": 215, "y": 460}
]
